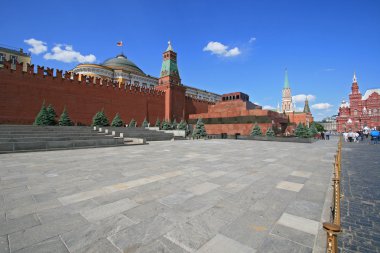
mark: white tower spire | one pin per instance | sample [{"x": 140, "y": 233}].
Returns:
[{"x": 354, "y": 80}]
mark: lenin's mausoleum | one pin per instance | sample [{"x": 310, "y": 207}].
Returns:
[{"x": 120, "y": 86}]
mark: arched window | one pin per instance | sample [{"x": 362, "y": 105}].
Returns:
[{"x": 355, "y": 112}]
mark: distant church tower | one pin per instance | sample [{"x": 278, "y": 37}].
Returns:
[
  {"x": 306, "y": 108},
  {"x": 287, "y": 104}
]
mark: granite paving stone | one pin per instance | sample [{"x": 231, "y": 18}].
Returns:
[
  {"x": 100, "y": 246},
  {"x": 187, "y": 236},
  {"x": 173, "y": 196},
  {"x": 290, "y": 186},
  {"x": 11, "y": 226},
  {"x": 89, "y": 234},
  {"x": 306, "y": 209},
  {"x": 223, "y": 244},
  {"x": 274, "y": 244},
  {"x": 51, "y": 245},
  {"x": 60, "y": 212},
  {"x": 4, "y": 245},
  {"x": 300, "y": 173},
  {"x": 248, "y": 229},
  {"x": 36, "y": 234},
  {"x": 142, "y": 233},
  {"x": 33, "y": 208},
  {"x": 200, "y": 189},
  {"x": 107, "y": 210},
  {"x": 160, "y": 245},
  {"x": 299, "y": 223},
  {"x": 176, "y": 198},
  {"x": 294, "y": 235}
]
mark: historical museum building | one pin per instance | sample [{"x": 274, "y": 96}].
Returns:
[
  {"x": 288, "y": 107},
  {"x": 361, "y": 111}
]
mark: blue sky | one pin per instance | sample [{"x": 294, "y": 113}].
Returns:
[{"x": 222, "y": 46}]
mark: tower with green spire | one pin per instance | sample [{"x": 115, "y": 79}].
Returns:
[
  {"x": 287, "y": 105},
  {"x": 286, "y": 82},
  {"x": 170, "y": 82},
  {"x": 169, "y": 69}
]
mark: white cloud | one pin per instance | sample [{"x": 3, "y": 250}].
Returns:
[
  {"x": 221, "y": 50},
  {"x": 233, "y": 52},
  {"x": 268, "y": 107},
  {"x": 66, "y": 53},
  {"x": 321, "y": 106},
  {"x": 300, "y": 98},
  {"x": 252, "y": 39},
  {"x": 38, "y": 46}
]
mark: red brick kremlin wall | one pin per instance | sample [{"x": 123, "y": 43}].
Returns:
[{"x": 22, "y": 94}]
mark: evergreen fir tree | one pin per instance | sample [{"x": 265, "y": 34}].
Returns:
[
  {"x": 117, "y": 121},
  {"x": 51, "y": 115},
  {"x": 145, "y": 123},
  {"x": 199, "y": 129},
  {"x": 166, "y": 125},
  {"x": 100, "y": 119},
  {"x": 300, "y": 130},
  {"x": 158, "y": 123},
  {"x": 42, "y": 117},
  {"x": 313, "y": 130},
  {"x": 132, "y": 123},
  {"x": 256, "y": 131},
  {"x": 270, "y": 132},
  {"x": 174, "y": 125},
  {"x": 182, "y": 125},
  {"x": 64, "y": 119},
  {"x": 307, "y": 132}
]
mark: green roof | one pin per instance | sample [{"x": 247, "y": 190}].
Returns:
[
  {"x": 121, "y": 62},
  {"x": 169, "y": 68}
]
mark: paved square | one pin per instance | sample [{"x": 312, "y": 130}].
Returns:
[{"x": 175, "y": 196}]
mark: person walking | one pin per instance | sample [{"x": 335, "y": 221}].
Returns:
[
  {"x": 375, "y": 136},
  {"x": 345, "y": 136},
  {"x": 327, "y": 135}
]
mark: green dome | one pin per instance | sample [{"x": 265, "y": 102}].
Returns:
[{"x": 121, "y": 62}]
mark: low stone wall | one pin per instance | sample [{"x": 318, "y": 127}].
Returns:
[
  {"x": 177, "y": 133},
  {"x": 278, "y": 139},
  {"x": 262, "y": 138}
]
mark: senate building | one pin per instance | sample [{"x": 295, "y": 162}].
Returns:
[{"x": 120, "y": 69}]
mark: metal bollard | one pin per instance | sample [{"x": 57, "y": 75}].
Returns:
[{"x": 332, "y": 232}]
